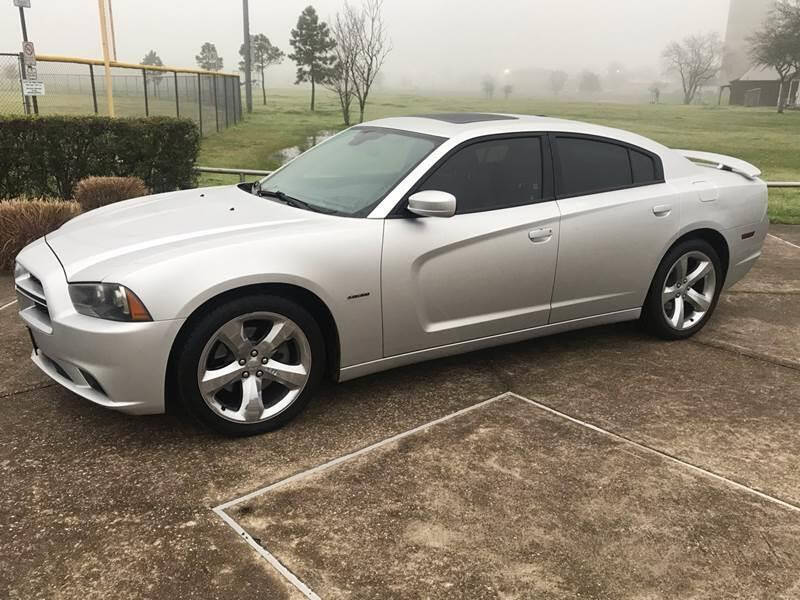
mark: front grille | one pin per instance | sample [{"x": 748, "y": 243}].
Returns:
[{"x": 31, "y": 297}]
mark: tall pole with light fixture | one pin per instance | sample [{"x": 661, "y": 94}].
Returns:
[
  {"x": 106, "y": 62},
  {"x": 248, "y": 77}
]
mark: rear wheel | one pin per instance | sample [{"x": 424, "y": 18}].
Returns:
[
  {"x": 685, "y": 290},
  {"x": 251, "y": 365}
]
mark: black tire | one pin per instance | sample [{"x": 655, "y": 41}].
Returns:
[
  {"x": 186, "y": 365},
  {"x": 653, "y": 316}
]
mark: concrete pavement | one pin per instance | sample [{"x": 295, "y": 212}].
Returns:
[{"x": 508, "y": 500}]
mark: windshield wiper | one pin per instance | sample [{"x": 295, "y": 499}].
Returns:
[{"x": 292, "y": 201}]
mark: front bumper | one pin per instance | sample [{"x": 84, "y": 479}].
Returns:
[{"x": 117, "y": 365}]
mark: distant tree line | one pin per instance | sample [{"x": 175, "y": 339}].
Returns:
[{"x": 346, "y": 58}]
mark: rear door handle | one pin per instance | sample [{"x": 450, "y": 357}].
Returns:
[
  {"x": 662, "y": 210},
  {"x": 539, "y": 236}
]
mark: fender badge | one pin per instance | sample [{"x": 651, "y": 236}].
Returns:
[{"x": 361, "y": 295}]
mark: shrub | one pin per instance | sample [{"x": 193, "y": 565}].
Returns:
[
  {"x": 23, "y": 221},
  {"x": 94, "y": 192},
  {"x": 46, "y": 156}
]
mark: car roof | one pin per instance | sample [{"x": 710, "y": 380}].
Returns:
[{"x": 468, "y": 125}]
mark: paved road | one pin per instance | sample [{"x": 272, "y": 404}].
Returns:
[{"x": 508, "y": 499}]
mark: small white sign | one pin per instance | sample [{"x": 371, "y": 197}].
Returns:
[
  {"x": 22, "y": 3},
  {"x": 28, "y": 53},
  {"x": 32, "y": 88},
  {"x": 31, "y": 72}
]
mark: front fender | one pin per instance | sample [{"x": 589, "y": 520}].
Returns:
[{"x": 340, "y": 265}]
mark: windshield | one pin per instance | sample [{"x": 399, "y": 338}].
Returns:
[{"x": 351, "y": 172}]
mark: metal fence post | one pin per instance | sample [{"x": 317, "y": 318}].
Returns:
[
  {"x": 225, "y": 84},
  {"x": 177, "y": 104},
  {"x": 233, "y": 100},
  {"x": 146, "y": 104},
  {"x": 216, "y": 104},
  {"x": 239, "y": 96},
  {"x": 200, "y": 103},
  {"x": 26, "y": 102},
  {"x": 94, "y": 90}
]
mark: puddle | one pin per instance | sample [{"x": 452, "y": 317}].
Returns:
[{"x": 286, "y": 154}]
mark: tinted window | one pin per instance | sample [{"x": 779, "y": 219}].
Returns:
[
  {"x": 644, "y": 168},
  {"x": 589, "y": 166},
  {"x": 493, "y": 174}
]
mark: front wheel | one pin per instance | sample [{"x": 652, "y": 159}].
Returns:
[
  {"x": 685, "y": 290},
  {"x": 250, "y": 365}
]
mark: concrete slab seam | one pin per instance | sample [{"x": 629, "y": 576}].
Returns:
[
  {"x": 661, "y": 454},
  {"x": 266, "y": 554},
  {"x": 309, "y": 593},
  {"x": 34, "y": 388},
  {"x": 5, "y": 306},
  {"x": 784, "y": 241},
  {"x": 742, "y": 351}
]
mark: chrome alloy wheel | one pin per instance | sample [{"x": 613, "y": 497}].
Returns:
[
  {"x": 254, "y": 367},
  {"x": 689, "y": 290}
]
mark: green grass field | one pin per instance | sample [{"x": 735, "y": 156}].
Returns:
[{"x": 759, "y": 136}]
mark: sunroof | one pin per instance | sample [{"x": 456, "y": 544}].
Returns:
[{"x": 466, "y": 117}]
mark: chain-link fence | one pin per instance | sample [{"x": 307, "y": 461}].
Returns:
[{"x": 78, "y": 86}]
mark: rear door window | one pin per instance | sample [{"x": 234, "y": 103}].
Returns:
[
  {"x": 589, "y": 166},
  {"x": 644, "y": 168}
]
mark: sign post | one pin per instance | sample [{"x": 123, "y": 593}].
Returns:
[{"x": 28, "y": 57}]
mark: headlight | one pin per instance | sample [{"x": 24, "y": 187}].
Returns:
[{"x": 107, "y": 301}]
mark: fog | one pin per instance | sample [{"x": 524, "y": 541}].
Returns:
[{"x": 437, "y": 44}]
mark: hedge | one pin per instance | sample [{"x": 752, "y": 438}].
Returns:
[
  {"x": 22, "y": 221},
  {"x": 47, "y": 156}
]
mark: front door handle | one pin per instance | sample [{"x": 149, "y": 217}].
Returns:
[
  {"x": 539, "y": 236},
  {"x": 662, "y": 210}
]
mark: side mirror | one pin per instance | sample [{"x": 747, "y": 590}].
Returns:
[{"x": 432, "y": 203}]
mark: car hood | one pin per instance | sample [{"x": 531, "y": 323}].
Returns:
[{"x": 146, "y": 228}]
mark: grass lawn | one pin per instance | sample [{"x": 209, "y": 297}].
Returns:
[{"x": 759, "y": 136}]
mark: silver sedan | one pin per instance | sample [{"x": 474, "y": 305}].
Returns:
[{"x": 393, "y": 242}]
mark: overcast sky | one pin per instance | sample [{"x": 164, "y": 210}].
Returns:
[{"x": 434, "y": 41}]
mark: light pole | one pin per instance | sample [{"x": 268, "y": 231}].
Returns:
[{"x": 248, "y": 79}]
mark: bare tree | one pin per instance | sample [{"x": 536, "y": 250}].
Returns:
[
  {"x": 777, "y": 45},
  {"x": 346, "y": 32},
  {"x": 696, "y": 60},
  {"x": 487, "y": 85},
  {"x": 507, "y": 90},
  {"x": 374, "y": 46}
]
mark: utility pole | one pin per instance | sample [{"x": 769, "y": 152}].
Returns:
[
  {"x": 106, "y": 62},
  {"x": 248, "y": 76},
  {"x": 25, "y": 39}
]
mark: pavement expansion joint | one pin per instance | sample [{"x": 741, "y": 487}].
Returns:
[
  {"x": 742, "y": 351},
  {"x": 304, "y": 589},
  {"x": 8, "y": 305},
  {"x": 28, "y": 389},
  {"x": 788, "y": 243}
]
